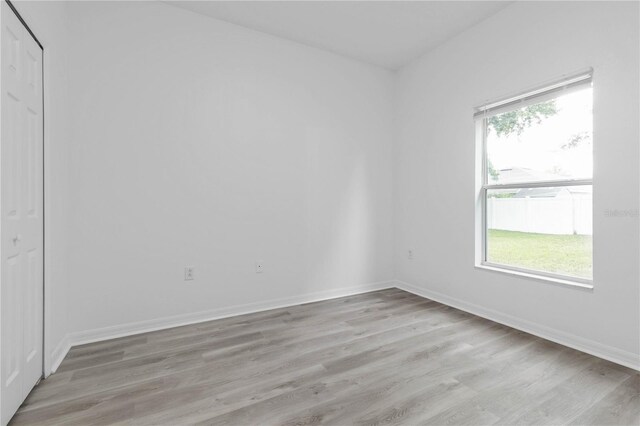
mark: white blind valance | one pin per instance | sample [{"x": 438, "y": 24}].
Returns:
[{"x": 549, "y": 91}]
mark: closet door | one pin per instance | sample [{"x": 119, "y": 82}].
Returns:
[{"x": 21, "y": 224}]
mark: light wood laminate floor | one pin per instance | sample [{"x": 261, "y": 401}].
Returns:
[{"x": 386, "y": 357}]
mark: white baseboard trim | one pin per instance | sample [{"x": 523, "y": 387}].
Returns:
[
  {"x": 627, "y": 359},
  {"x": 618, "y": 356},
  {"x": 59, "y": 353},
  {"x": 122, "y": 330}
]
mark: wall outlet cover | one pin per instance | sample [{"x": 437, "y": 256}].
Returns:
[{"x": 189, "y": 273}]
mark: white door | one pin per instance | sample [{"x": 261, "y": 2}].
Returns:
[{"x": 21, "y": 205}]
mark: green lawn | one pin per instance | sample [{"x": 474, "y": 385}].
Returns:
[{"x": 561, "y": 254}]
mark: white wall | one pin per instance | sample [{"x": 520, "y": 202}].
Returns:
[
  {"x": 48, "y": 20},
  {"x": 196, "y": 142},
  {"x": 525, "y": 44}
]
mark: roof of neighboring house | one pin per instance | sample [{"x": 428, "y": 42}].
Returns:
[
  {"x": 538, "y": 192},
  {"x": 521, "y": 174}
]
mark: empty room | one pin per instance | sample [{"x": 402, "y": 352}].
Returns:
[{"x": 319, "y": 213}]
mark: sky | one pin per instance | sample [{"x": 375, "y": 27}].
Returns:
[{"x": 539, "y": 147}]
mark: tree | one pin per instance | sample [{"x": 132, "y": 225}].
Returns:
[
  {"x": 492, "y": 171},
  {"x": 578, "y": 139},
  {"x": 518, "y": 120}
]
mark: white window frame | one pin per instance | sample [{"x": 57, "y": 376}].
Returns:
[{"x": 483, "y": 113}]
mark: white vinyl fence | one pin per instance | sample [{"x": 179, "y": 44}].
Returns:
[{"x": 558, "y": 215}]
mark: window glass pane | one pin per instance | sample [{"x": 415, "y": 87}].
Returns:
[
  {"x": 542, "y": 229},
  {"x": 550, "y": 140}
]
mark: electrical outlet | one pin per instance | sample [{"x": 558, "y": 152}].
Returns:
[
  {"x": 410, "y": 254},
  {"x": 259, "y": 266},
  {"x": 189, "y": 273}
]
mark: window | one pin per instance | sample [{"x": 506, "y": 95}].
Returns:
[{"x": 536, "y": 181}]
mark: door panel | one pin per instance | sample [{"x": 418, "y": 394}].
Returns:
[
  {"x": 32, "y": 243},
  {"x": 13, "y": 325},
  {"x": 21, "y": 218}
]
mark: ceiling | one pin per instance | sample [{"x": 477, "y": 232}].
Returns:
[{"x": 384, "y": 33}]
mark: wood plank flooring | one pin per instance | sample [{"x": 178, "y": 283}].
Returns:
[{"x": 386, "y": 357}]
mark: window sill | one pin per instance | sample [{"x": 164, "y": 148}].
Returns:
[{"x": 581, "y": 285}]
